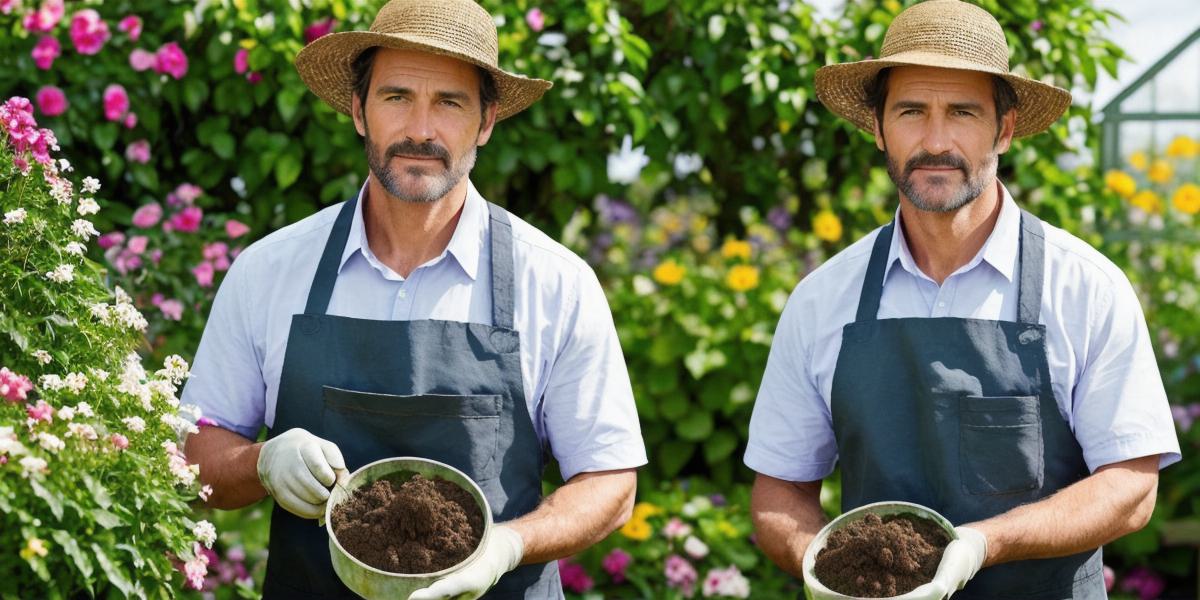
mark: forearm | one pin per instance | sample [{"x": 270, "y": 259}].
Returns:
[
  {"x": 787, "y": 515},
  {"x": 1115, "y": 500},
  {"x": 577, "y": 515},
  {"x": 229, "y": 463}
]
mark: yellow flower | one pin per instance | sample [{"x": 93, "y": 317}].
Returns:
[
  {"x": 827, "y": 226},
  {"x": 671, "y": 223},
  {"x": 1138, "y": 161},
  {"x": 32, "y": 547},
  {"x": 727, "y": 529},
  {"x": 1187, "y": 198},
  {"x": 1160, "y": 172},
  {"x": 736, "y": 249},
  {"x": 636, "y": 529},
  {"x": 1120, "y": 183},
  {"x": 669, "y": 272},
  {"x": 645, "y": 510},
  {"x": 893, "y": 6},
  {"x": 1147, "y": 201},
  {"x": 742, "y": 278},
  {"x": 1183, "y": 147}
]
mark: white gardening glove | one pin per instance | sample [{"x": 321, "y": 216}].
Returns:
[
  {"x": 297, "y": 469},
  {"x": 960, "y": 562},
  {"x": 502, "y": 554}
]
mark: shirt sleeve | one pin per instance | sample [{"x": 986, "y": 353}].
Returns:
[
  {"x": 588, "y": 408},
  {"x": 226, "y": 380},
  {"x": 1119, "y": 405},
  {"x": 791, "y": 430}
]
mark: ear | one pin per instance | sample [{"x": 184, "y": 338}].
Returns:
[
  {"x": 878, "y": 134},
  {"x": 1008, "y": 125},
  {"x": 489, "y": 123},
  {"x": 356, "y": 112}
]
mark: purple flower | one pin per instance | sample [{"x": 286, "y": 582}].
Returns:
[
  {"x": 1147, "y": 584},
  {"x": 574, "y": 576},
  {"x": 46, "y": 50},
  {"x": 615, "y": 211},
  {"x": 1036, "y": 25},
  {"x": 718, "y": 499},
  {"x": 171, "y": 60},
  {"x": 535, "y": 19},
  {"x": 780, "y": 218},
  {"x": 615, "y": 564}
]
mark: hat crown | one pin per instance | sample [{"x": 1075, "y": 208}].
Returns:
[
  {"x": 949, "y": 28},
  {"x": 461, "y": 26}
]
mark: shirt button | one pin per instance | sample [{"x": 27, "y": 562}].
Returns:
[
  {"x": 941, "y": 305},
  {"x": 403, "y": 294}
]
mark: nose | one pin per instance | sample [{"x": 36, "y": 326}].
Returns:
[
  {"x": 937, "y": 136},
  {"x": 418, "y": 125}
]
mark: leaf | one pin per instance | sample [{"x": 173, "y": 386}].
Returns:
[
  {"x": 195, "y": 90},
  {"x": 673, "y": 455},
  {"x": 719, "y": 446},
  {"x": 99, "y": 492},
  {"x": 288, "y": 102},
  {"x": 78, "y": 558},
  {"x": 114, "y": 573},
  {"x": 106, "y": 519},
  {"x": 287, "y": 169},
  {"x": 56, "y": 505},
  {"x": 223, "y": 145},
  {"x": 105, "y": 135},
  {"x": 696, "y": 426}
]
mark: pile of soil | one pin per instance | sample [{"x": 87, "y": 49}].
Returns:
[
  {"x": 420, "y": 525},
  {"x": 880, "y": 557}
]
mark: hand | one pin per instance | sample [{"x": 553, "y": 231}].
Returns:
[
  {"x": 297, "y": 468},
  {"x": 960, "y": 562},
  {"x": 503, "y": 552}
]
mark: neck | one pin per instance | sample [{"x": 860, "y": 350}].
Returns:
[
  {"x": 940, "y": 243},
  {"x": 405, "y": 235}
]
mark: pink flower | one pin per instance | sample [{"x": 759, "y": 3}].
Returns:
[
  {"x": 615, "y": 564},
  {"x": 235, "y": 229},
  {"x": 187, "y": 220},
  {"x": 16, "y": 119},
  {"x": 171, "y": 60},
  {"x": 188, "y": 192},
  {"x": 123, "y": 261},
  {"x": 574, "y": 576},
  {"x": 51, "y": 101},
  {"x": 1036, "y": 25},
  {"x": 1147, "y": 584},
  {"x": 147, "y": 215},
  {"x": 206, "y": 422},
  {"x": 157, "y": 298},
  {"x": 680, "y": 574},
  {"x": 676, "y": 528},
  {"x": 138, "y": 151},
  {"x": 88, "y": 31},
  {"x": 40, "y": 411},
  {"x": 254, "y": 77},
  {"x": 45, "y": 18},
  {"x": 171, "y": 309},
  {"x": 46, "y": 50},
  {"x": 197, "y": 568},
  {"x": 110, "y": 239},
  {"x": 1110, "y": 577},
  {"x": 319, "y": 29},
  {"x": 119, "y": 441},
  {"x": 204, "y": 274},
  {"x": 116, "y": 102},
  {"x": 130, "y": 120},
  {"x": 241, "y": 61},
  {"x": 215, "y": 250},
  {"x": 131, "y": 25},
  {"x": 137, "y": 244},
  {"x": 535, "y": 19},
  {"x": 141, "y": 60},
  {"x": 13, "y": 387},
  {"x": 7, "y": 6},
  {"x": 728, "y": 582}
]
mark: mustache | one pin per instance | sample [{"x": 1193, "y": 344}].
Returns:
[
  {"x": 924, "y": 159},
  {"x": 422, "y": 150}
]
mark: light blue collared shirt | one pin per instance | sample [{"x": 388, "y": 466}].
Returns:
[
  {"x": 1102, "y": 366},
  {"x": 577, "y": 387}
]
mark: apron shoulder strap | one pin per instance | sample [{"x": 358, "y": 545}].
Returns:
[
  {"x": 502, "y": 267},
  {"x": 327, "y": 270},
  {"x": 1032, "y": 265},
  {"x": 872, "y": 289}
]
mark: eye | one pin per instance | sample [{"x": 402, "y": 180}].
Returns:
[
  {"x": 451, "y": 103},
  {"x": 964, "y": 113},
  {"x": 909, "y": 111}
]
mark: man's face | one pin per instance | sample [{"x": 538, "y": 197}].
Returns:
[
  {"x": 940, "y": 137},
  {"x": 421, "y": 124}
]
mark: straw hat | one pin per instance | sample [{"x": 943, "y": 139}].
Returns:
[
  {"x": 456, "y": 28},
  {"x": 947, "y": 34}
]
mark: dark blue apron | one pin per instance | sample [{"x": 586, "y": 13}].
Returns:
[
  {"x": 443, "y": 390},
  {"x": 958, "y": 415}
]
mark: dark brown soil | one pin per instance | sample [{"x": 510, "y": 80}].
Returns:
[
  {"x": 416, "y": 526},
  {"x": 878, "y": 558}
]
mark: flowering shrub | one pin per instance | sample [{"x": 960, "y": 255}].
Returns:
[{"x": 93, "y": 488}]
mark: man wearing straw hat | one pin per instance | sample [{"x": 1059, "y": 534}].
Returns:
[
  {"x": 966, "y": 357},
  {"x": 417, "y": 319}
]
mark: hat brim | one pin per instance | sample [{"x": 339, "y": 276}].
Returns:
[
  {"x": 842, "y": 89},
  {"x": 325, "y": 65}
]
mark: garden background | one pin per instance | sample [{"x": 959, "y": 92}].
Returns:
[{"x": 682, "y": 152}]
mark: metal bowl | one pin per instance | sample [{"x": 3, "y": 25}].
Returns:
[
  {"x": 377, "y": 584},
  {"x": 815, "y": 590}
]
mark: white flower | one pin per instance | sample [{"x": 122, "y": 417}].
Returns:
[
  {"x": 75, "y": 382},
  {"x": 9, "y": 444},
  {"x": 165, "y": 389},
  {"x": 84, "y": 229},
  {"x": 50, "y": 382},
  {"x": 1042, "y": 45},
  {"x": 206, "y": 533},
  {"x": 31, "y": 465},
  {"x": 100, "y": 374},
  {"x": 82, "y": 431},
  {"x": 121, "y": 296},
  {"x": 686, "y": 164},
  {"x": 84, "y": 409},
  {"x": 62, "y": 274},
  {"x": 66, "y": 413},
  {"x": 626, "y": 164},
  {"x": 64, "y": 165},
  {"x": 14, "y": 217},
  {"x": 174, "y": 368},
  {"x": 727, "y": 582},
  {"x": 60, "y": 190},
  {"x": 552, "y": 39},
  {"x": 88, "y": 206},
  {"x": 75, "y": 248},
  {"x": 100, "y": 312},
  {"x": 694, "y": 547},
  {"x": 91, "y": 185},
  {"x": 205, "y": 492},
  {"x": 129, "y": 316},
  {"x": 50, "y": 442},
  {"x": 135, "y": 424},
  {"x": 42, "y": 356}
]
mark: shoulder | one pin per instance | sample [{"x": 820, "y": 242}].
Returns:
[
  {"x": 1072, "y": 261},
  {"x": 554, "y": 267},
  {"x": 842, "y": 274}
]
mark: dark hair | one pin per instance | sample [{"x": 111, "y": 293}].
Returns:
[
  {"x": 489, "y": 93},
  {"x": 1003, "y": 94}
]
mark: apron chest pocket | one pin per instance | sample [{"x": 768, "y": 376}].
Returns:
[
  {"x": 461, "y": 431},
  {"x": 1001, "y": 448}
]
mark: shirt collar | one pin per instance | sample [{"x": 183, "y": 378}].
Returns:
[
  {"x": 465, "y": 244},
  {"x": 1000, "y": 250}
]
